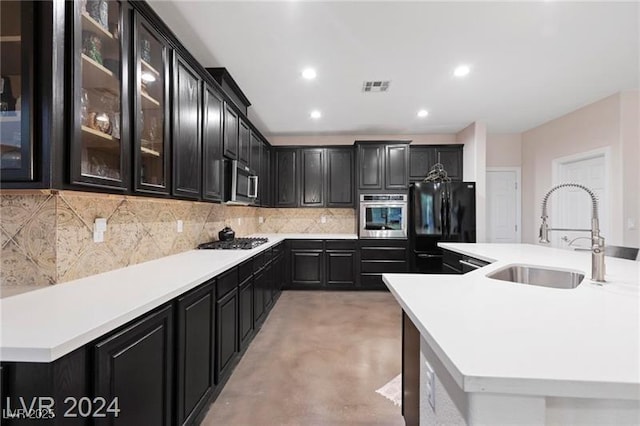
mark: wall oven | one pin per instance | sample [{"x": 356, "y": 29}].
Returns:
[
  {"x": 244, "y": 185},
  {"x": 383, "y": 216}
]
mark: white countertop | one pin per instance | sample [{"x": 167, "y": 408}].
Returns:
[
  {"x": 45, "y": 324},
  {"x": 501, "y": 337}
]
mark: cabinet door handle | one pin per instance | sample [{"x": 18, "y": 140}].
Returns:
[{"x": 469, "y": 264}]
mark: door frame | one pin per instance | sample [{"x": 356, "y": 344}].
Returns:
[
  {"x": 518, "y": 171},
  {"x": 558, "y": 162}
]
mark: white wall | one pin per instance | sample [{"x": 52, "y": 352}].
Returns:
[
  {"x": 610, "y": 122},
  {"x": 474, "y": 169},
  {"x": 504, "y": 149}
]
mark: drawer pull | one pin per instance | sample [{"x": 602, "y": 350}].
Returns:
[{"x": 469, "y": 264}]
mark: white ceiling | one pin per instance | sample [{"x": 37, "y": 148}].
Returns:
[{"x": 531, "y": 61}]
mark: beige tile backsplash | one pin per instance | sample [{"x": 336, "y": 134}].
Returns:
[{"x": 47, "y": 237}]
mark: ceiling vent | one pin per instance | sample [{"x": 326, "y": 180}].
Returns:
[{"x": 376, "y": 86}]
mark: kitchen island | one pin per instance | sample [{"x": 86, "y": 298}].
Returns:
[{"x": 497, "y": 352}]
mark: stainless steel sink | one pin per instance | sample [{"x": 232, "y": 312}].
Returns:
[{"x": 534, "y": 275}]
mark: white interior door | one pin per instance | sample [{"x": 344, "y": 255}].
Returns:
[
  {"x": 502, "y": 206},
  {"x": 571, "y": 207}
]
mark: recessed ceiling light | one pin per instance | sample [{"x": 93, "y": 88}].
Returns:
[
  {"x": 423, "y": 113},
  {"x": 315, "y": 114},
  {"x": 309, "y": 73},
  {"x": 461, "y": 70}
]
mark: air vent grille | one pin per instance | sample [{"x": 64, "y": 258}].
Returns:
[{"x": 376, "y": 86}]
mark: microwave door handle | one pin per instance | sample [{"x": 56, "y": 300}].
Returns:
[{"x": 253, "y": 186}]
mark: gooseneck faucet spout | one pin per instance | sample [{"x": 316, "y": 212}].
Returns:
[{"x": 597, "y": 242}]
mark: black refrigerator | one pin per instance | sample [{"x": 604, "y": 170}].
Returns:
[{"x": 439, "y": 211}]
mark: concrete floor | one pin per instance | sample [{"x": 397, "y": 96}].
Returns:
[{"x": 317, "y": 360}]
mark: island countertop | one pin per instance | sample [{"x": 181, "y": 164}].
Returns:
[
  {"x": 502, "y": 337},
  {"x": 45, "y": 324}
]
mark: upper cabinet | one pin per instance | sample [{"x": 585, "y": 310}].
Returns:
[
  {"x": 16, "y": 90},
  {"x": 186, "y": 130},
  {"x": 244, "y": 142},
  {"x": 99, "y": 112},
  {"x": 423, "y": 158},
  {"x": 151, "y": 127},
  {"x": 212, "y": 167},
  {"x": 383, "y": 166},
  {"x": 339, "y": 177},
  {"x": 286, "y": 170},
  {"x": 325, "y": 177},
  {"x": 312, "y": 188},
  {"x": 230, "y": 132}
]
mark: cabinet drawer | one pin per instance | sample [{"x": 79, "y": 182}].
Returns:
[
  {"x": 382, "y": 266},
  {"x": 306, "y": 244},
  {"x": 245, "y": 270},
  {"x": 383, "y": 253},
  {"x": 372, "y": 281},
  {"x": 340, "y": 244},
  {"x": 375, "y": 242},
  {"x": 277, "y": 250},
  {"x": 227, "y": 282},
  {"x": 452, "y": 260},
  {"x": 258, "y": 262},
  {"x": 267, "y": 255}
]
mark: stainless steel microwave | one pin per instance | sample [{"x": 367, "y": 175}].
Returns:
[
  {"x": 244, "y": 185},
  {"x": 383, "y": 216}
]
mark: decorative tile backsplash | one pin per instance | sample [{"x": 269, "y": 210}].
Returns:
[{"x": 47, "y": 236}]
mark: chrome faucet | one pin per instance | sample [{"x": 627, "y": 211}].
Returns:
[{"x": 597, "y": 242}]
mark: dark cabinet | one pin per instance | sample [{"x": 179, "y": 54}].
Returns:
[
  {"x": 339, "y": 177},
  {"x": 451, "y": 159},
  {"x": 326, "y": 177},
  {"x": 135, "y": 365},
  {"x": 383, "y": 166},
  {"x": 150, "y": 124},
  {"x": 227, "y": 333},
  {"x": 17, "y": 161},
  {"x": 255, "y": 164},
  {"x": 396, "y": 174},
  {"x": 423, "y": 157},
  {"x": 100, "y": 136},
  {"x": 306, "y": 268},
  {"x": 195, "y": 351},
  {"x": 212, "y": 166},
  {"x": 244, "y": 143},
  {"x": 286, "y": 170},
  {"x": 370, "y": 166},
  {"x": 410, "y": 371},
  {"x": 341, "y": 268},
  {"x": 230, "y": 132},
  {"x": 381, "y": 256},
  {"x": 186, "y": 131},
  {"x": 245, "y": 307},
  {"x": 264, "y": 178},
  {"x": 259, "y": 284},
  {"x": 312, "y": 192}
]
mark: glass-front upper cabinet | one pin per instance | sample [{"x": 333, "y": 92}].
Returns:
[
  {"x": 151, "y": 91},
  {"x": 99, "y": 146},
  {"x": 16, "y": 61}
]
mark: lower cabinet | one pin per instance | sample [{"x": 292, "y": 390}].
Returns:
[
  {"x": 259, "y": 282},
  {"x": 195, "y": 351},
  {"x": 136, "y": 366},
  {"x": 381, "y": 256},
  {"x": 226, "y": 333},
  {"x": 245, "y": 316},
  {"x": 410, "y": 371},
  {"x": 323, "y": 264}
]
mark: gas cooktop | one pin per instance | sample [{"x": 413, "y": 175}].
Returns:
[{"x": 235, "y": 244}]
